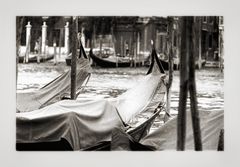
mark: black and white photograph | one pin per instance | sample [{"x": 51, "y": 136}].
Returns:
[{"x": 120, "y": 83}]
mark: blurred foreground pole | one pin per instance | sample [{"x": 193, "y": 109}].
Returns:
[
  {"x": 74, "y": 29},
  {"x": 187, "y": 82},
  {"x": 221, "y": 42},
  {"x": 181, "y": 120},
  {"x": 193, "y": 50}
]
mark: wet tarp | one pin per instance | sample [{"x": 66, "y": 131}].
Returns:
[
  {"x": 53, "y": 91},
  {"x": 165, "y": 137},
  {"x": 87, "y": 122}
]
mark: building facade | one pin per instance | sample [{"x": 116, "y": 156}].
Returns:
[{"x": 128, "y": 36}]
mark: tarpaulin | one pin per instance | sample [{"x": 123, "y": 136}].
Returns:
[
  {"x": 53, "y": 91},
  {"x": 165, "y": 137},
  {"x": 86, "y": 122}
]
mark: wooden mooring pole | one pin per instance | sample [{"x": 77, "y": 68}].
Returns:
[
  {"x": 187, "y": 82},
  {"x": 193, "y": 52},
  {"x": 74, "y": 29},
  {"x": 181, "y": 120}
]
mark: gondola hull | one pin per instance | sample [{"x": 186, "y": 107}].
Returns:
[
  {"x": 177, "y": 66},
  {"x": 34, "y": 59},
  {"x": 86, "y": 122},
  {"x": 107, "y": 63}
]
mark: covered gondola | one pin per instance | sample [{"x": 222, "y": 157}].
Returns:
[
  {"x": 57, "y": 89},
  {"x": 165, "y": 137},
  {"x": 82, "y": 124}
]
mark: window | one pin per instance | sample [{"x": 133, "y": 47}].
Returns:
[
  {"x": 204, "y": 19},
  {"x": 211, "y": 20}
]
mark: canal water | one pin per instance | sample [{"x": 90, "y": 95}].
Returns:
[{"x": 109, "y": 83}]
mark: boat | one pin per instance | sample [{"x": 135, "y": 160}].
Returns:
[
  {"x": 135, "y": 133},
  {"x": 69, "y": 60},
  {"x": 165, "y": 64},
  {"x": 33, "y": 58},
  {"x": 212, "y": 64},
  {"x": 165, "y": 137},
  {"x": 113, "y": 61},
  {"x": 176, "y": 63},
  {"x": 57, "y": 89},
  {"x": 82, "y": 124},
  {"x": 80, "y": 52}
]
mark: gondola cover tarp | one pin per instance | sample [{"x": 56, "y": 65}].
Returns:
[{"x": 74, "y": 121}]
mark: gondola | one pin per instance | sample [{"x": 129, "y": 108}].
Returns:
[
  {"x": 113, "y": 61},
  {"x": 57, "y": 89},
  {"x": 68, "y": 60},
  {"x": 33, "y": 58},
  {"x": 83, "y": 124},
  {"x": 165, "y": 65},
  {"x": 80, "y": 53},
  {"x": 176, "y": 66},
  {"x": 165, "y": 137}
]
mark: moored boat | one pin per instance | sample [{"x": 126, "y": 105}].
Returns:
[
  {"x": 81, "y": 124},
  {"x": 57, "y": 89},
  {"x": 176, "y": 65},
  {"x": 33, "y": 58},
  {"x": 165, "y": 137},
  {"x": 114, "y": 61}
]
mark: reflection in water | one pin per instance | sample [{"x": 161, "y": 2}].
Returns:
[{"x": 109, "y": 83}]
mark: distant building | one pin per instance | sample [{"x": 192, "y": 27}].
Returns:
[
  {"x": 55, "y": 29},
  {"x": 119, "y": 32},
  {"x": 210, "y": 37},
  {"x": 127, "y": 35}
]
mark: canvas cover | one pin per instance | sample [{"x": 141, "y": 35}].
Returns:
[
  {"x": 53, "y": 91},
  {"x": 165, "y": 138},
  {"x": 81, "y": 123},
  {"x": 144, "y": 97},
  {"x": 87, "y": 122}
]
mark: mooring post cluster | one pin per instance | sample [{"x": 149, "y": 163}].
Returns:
[{"x": 187, "y": 83}]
